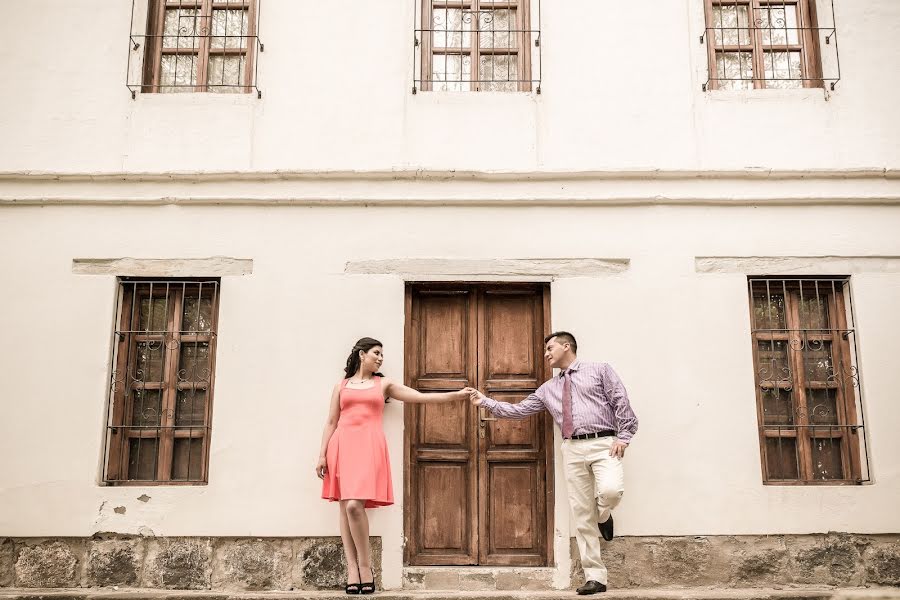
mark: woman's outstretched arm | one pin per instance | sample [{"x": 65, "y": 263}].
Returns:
[
  {"x": 334, "y": 412},
  {"x": 398, "y": 391}
]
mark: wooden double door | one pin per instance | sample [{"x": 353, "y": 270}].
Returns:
[{"x": 478, "y": 490}]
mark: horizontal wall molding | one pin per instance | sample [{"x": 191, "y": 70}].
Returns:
[
  {"x": 417, "y": 187},
  {"x": 797, "y": 265},
  {"x": 215, "y": 266},
  {"x": 446, "y": 268}
]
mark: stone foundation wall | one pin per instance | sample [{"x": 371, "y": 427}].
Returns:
[
  {"x": 200, "y": 563},
  {"x": 838, "y": 559}
]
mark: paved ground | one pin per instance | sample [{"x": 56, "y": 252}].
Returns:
[{"x": 794, "y": 593}]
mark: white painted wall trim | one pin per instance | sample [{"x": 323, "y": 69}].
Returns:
[
  {"x": 430, "y": 269},
  {"x": 465, "y": 188},
  {"x": 215, "y": 266},
  {"x": 790, "y": 265}
]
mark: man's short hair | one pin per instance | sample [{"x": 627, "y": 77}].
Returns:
[{"x": 564, "y": 337}]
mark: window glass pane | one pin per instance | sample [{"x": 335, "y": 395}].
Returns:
[
  {"x": 146, "y": 406},
  {"x": 225, "y": 75},
  {"x": 142, "y": 456},
  {"x": 452, "y": 28},
  {"x": 197, "y": 314},
  {"x": 773, "y": 365},
  {"x": 779, "y": 24},
  {"x": 495, "y": 27},
  {"x": 732, "y": 25},
  {"x": 228, "y": 29},
  {"x": 149, "y": 362},
  {"x": 499, "y": 72},
  {"x": 734, "y": 70},
  {"x": 814, "y": 312},
  {"x": 180, "y": 29},
  {"x": 190, "y": 408},
  {"x": 178, "y": 73},
  {"x": 194, "y": 362},
  {"x": 768, "y": 309},
  {"x": 826, "y": 458},
  {"x": 777, "y": 406},
  {"x": 783, "y": 70},
  {"x": 451, "y": 72},
  {"x": 818, "y": 361},
  {"x": 821, "y": 406},
  {"x": 781, "y": 458},
  {"x": 187, "y": 456},
  {"x": 152, "y": 315}
]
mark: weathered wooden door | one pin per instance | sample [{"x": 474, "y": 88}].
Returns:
[{"x": 478, "y": 491}]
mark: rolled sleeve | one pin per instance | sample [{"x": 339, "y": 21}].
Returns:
[{"x": 626, "y": 420}]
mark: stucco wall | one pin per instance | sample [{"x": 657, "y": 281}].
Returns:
[{"x": 621, "y": 88}]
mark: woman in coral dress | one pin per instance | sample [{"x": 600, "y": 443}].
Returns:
[{"x": 353, "y": 462}]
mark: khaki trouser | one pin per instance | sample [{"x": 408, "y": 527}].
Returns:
[{"x": 596, "y": 483}]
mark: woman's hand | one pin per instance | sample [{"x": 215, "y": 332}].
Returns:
[
  {"x": 462, "y": 394},
  {"x": 321, "y": 467}
]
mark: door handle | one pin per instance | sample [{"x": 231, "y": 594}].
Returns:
[{"x": 483, "y": 419}]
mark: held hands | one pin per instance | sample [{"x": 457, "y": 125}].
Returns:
[
  {"x": 463, "y": 394},
  {"x": 321, "y": 467},
  {"x": 475, "y": 397}
]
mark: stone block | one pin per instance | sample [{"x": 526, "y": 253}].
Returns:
[
  {"x": 478, "y": 582},
  {"x": 833, "y": 559},
  {"x": 758, "y": 561},
  {"x": 524, "y": 580},
  {"x": 7, "y": 562},
  {"x": 883, "y": 564},
  {"x": 114, "y": 562},
  {"x": 413, "y": 580},
  {"x": 677, "y": 561},
  {"x": 319, "y": 563},
  {"x": 441, "y": 579},
  {"x": 252, "y": 564},
  {"x": 178, "y": 563},
  {"x": 48, "y": 564}
]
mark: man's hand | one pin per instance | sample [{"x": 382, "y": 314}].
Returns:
[
  {"x": 476, "y": 397},
  {"x": 618, "y": 449}
]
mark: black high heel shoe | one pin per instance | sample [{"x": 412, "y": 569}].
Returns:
[
  {"x": 353, "y": 588},
  {"x": 368, "y": 587}
]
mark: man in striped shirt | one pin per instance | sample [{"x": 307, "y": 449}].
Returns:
[{"x": 590, "y": 405}]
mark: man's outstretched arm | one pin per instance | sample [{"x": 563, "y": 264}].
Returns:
[{"x": 505, "y": 410}]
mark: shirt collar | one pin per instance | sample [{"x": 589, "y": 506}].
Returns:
[{"x": 576, "y": 364}]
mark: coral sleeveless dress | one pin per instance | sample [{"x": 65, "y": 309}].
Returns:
[{"x": 358, "y": 467}]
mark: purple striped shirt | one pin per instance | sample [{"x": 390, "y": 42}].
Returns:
[{"x": 599, "y": 401}]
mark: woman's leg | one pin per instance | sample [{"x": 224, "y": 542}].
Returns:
[
  {"x": 359, "y": 529},
  {"x": 349, "y": 546}
]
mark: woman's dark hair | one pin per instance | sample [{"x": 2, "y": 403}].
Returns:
[{"x": 363, "y": 344}]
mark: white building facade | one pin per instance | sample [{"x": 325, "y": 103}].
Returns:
[{"x": 728, "y": 242}]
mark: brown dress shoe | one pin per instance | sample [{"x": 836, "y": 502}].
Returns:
[{"x": 591, "y": 587}]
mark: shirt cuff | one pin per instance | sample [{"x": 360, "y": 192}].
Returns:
[
  {"x": 489, "y": 404},
  {"x": 624, "y": 437}
]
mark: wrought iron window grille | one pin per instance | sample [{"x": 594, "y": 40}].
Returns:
[
  {"x": 781, "y": 44},
  {"x": 477, "y": 45},
  {"x": 809, "y": 399},
  {"x": 161, "y": 385},
  {"x": 194, "y": 46}
]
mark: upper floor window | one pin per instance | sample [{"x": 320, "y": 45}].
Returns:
[
  {"x": 811, "y": 428},
  {"x": 764, "y": 44},
  {"x": 162, "y": 384},
  {"x": 477, "y": 45},
  {"x": 200, "y": 46}
]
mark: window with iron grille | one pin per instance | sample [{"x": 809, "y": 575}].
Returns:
[
  {"x": 811, "y": 426},
  {"x": 161, "y": 390},
  {"x": 198, "y": 46},
  {"x": 767, "y": 44},
  {"x": 477, "y": 45}
]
